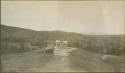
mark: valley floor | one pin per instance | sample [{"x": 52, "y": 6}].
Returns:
[{"x": 77, "y": 60}]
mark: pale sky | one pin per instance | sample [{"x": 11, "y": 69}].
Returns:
[{"x": 87, "y": 17}]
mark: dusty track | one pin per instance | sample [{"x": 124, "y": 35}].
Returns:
[{"x": 76, "y": 61}]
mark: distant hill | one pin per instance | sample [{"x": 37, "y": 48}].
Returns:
[{"x": 15, "y": 39}]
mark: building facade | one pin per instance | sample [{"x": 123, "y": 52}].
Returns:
[{"x": 60, "y": 44}]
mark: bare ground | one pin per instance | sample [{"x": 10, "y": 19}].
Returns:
[{"x": 76, "y": 61}]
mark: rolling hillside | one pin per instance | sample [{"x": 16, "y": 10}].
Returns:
[{"x": 15, "y": 39}]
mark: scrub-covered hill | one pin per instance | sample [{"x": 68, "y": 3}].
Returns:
[{"x": 15, "y": 39}]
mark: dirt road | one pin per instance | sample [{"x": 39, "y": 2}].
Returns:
[{"x": 76, "y": 61}]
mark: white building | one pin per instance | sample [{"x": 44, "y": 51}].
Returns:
[
  {"x": 60, "y": 44},
  {"x": 60, "y": 48}
]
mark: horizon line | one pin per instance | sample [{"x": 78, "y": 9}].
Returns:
[{"x": 61, "y": 31}]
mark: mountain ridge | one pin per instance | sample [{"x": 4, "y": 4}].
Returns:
[{"x": 2, "y": 26}]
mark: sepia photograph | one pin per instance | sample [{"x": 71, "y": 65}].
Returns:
[{"x": 62, "y": 36}]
